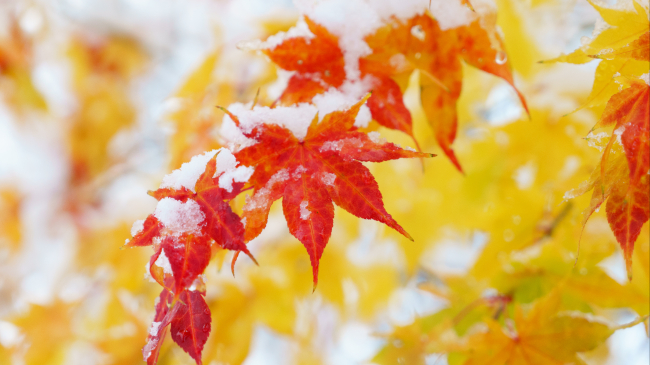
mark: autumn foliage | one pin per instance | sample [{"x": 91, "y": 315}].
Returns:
[
  {"x": 623, "y": 183},
  {"x": 495, "y": 252}
]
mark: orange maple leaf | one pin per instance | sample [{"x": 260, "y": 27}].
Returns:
[
  {"x": 397, "y": 50},
  {"x": 628, "y": 206},
  {"x": 437, "y": 54},
  {"x": 543, "y": 336},
  {"x": 624, "y": 181},
  {"x": 639, "y": 49}
]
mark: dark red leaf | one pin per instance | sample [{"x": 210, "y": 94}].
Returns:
[
  {"x": 191, "y": 324},
  {"x": 188, "y": 256}
]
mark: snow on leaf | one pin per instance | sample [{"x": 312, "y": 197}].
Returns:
[
  {"x": 639, "y": 50},
  {"x": 397, "y": 49},
  {"x": 191, "y": 324},
  {"x": 220, "y": 223},
  {"x": 319, "y": 56},
  {"x": 289, "y": 168},
  {"x": 150, "y": 229}
]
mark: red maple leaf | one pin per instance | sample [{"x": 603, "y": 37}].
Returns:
[
  {"x": 191, "y": 324},
  {"x": 312, "y": 174},
  {"x": 221, "y": 224},
  {"x": 188, "y": 257}
]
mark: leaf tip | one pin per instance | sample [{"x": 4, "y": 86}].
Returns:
[
  {"x": 232, "y": 263},
  {"x": 252, "y": 258},
  {"x": 628, "y": 266},
  {"x": 233, "y": 117},
  {"x": 408, "y": 236}
]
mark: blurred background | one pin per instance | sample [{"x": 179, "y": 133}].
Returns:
[{"x": 99, "y": 99}]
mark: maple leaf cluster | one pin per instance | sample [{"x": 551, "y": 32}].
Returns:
[
  {"x": 181, "y": 304},
  {"x": 622, "y": 177},
  {"x": 493, "y": 277},
  {"x": 312, "y": 172},
  {"x": 309, "y": 174},
  {"x": 397, "y": 49}
]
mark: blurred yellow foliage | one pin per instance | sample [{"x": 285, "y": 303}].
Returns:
[{"x": 497, "y": 247}]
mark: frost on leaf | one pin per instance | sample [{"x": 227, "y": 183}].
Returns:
[{"x": 312, "y": 174}]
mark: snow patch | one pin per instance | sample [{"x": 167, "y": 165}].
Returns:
[
  {"x": 376, "y": 138},
  {"x": 137, "y": 227},
  {"x": 646, "y": 77},
  {"x": 261, "y": 198},
  {"x": 345, "y": 97},
  {"x": 179, "y": 217},
  {"x": 618, "y": 132},
  {"x": 339, "y": 144},
  {"x": 295, "y": 118},
  {"x": 453, "y": 14},
  {"x": 352, "y": 20},
  {"x": 227, "y": 168},
  {"x": 327, "y": 178},
  {"x": 594, "y": 140},
  {"x": 300, "y": 30},
  {"x": 298, "y": 172},
  {"x": 189, "y": 172},
  {"x": 153, "y": 330},
  {"x": 163, "y": 263},
  {"x": 304, "y": 212}
]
